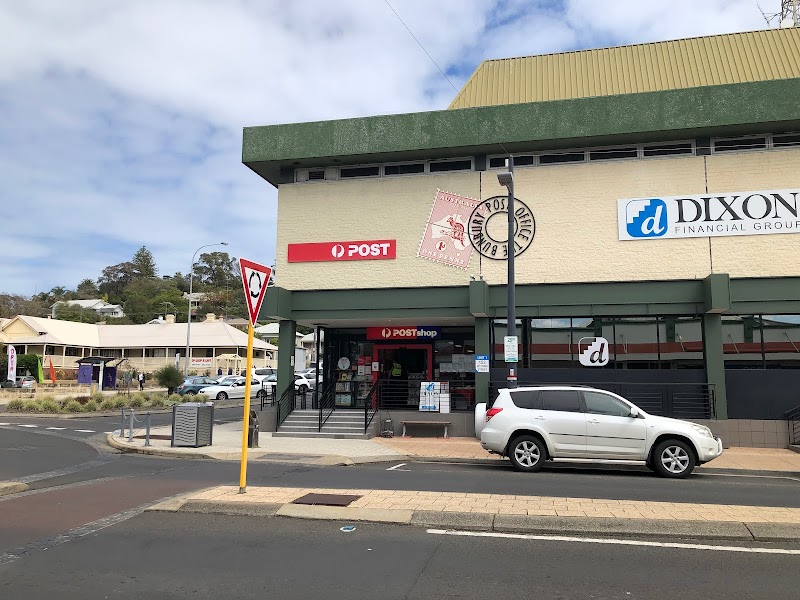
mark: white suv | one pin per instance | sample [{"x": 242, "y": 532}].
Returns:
[{"x": 534, "y": 424}]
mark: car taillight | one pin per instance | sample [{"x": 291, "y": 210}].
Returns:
[{"x": 492, "y": 412}]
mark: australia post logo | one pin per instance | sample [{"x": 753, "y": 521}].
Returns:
[
  {"x": 335, "y": 251},
  {"x": 709, "y": 215},
  {"x": 403, "y": 333}
]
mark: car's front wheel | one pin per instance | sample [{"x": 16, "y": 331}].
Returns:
[
  {"x": 222, "y": 396},
  {"x": 527, "y": 453},
  {"x": 673, "y": 458}
]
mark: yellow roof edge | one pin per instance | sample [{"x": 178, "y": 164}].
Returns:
[{"x": 466, "y": 84}]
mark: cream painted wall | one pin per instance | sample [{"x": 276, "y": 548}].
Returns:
[{"x": 575, "y": 207}]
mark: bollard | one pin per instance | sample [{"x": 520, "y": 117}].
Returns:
[
  {"x": 130, "y": 429},
  {"x": 147, "y": 431},
  {"x": 122, "y": 424}
]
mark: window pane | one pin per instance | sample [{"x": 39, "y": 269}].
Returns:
[
  {"x": 563, "y": 400},
  {"x": 741, "y": 341},
  {"x": 550, "y": 343},
  {"x": 404, "y": 169},
  {"x": 781, "y": 341},
  {"x": 636, "y": 342},
  {"x": 451, "y": 165},
  {"x": 526, "y": 399},
  {"x": 613, "y": 153},
  {"x": 499, "y": 329},
  {"x": 346, "y": 172},
  {"x": 561, "y": 157},
  {"x": 668, "y": 149},
  {"x": 602, "y": 404},
  {"x": 743, "y": 143}
]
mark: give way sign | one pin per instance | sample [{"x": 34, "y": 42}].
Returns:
[{"x": 255, "y": 278}]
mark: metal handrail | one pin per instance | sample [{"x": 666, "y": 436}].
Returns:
[
  {"x": 327, "y": 404},
  {"x": 267, "y": 395},
  {"x": 371, "y": 404},
  {"x": 793, "y": 422},
  {"x": 285, "y": 406}
]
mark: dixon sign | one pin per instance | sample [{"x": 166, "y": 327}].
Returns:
[{"x": 707, "y": 215}]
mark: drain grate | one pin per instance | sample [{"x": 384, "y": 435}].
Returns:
[{"x": 327, "y": 499}]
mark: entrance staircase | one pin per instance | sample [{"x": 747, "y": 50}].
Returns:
[{"x": 340, "y": 425}]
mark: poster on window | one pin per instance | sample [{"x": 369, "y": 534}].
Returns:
[
  {"x": 429, "y": 392},
  {"x": 445, "y": 237}
]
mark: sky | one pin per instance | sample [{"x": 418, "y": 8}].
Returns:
[{"x": 121, "y": 122}]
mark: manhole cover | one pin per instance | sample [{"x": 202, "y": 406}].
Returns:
[{"x": 326, "y": 499}]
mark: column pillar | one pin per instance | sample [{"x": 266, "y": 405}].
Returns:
[
  {"x": 715, "y": 362},
  {"x": 482, "y": 346},
  {"x": 286, "y": 342}
]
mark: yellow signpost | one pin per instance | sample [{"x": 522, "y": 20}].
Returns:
[{"x": 255, "y": 278}]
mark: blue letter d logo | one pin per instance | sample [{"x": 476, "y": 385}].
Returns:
[{"x": 646, "y": 218}]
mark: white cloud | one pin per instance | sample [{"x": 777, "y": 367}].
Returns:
[{"x": 122, "y": 121}]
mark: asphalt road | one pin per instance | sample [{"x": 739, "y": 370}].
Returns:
[
  {"x": 628, "y": 483},
  {"x": 157, "y": 555}
]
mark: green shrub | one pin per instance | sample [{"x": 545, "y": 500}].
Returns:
[
  {"x": 197, "y": 398},
  {"x": 119, "y": 402},
  {"x": 169, "y": 377},
  {"x": 158, "y": 402},
  {"x": 49, "y": 405},
  {"x": 47, "y": 398},
  {"x": 73, "y": 406},
  {"x": 90, "y": 406},
  {"x": 108, "y": 404},
  {"x": 136, "y": 401},
  {"x": 98, "y": 397},
  {"x": 15, "y": 405}
]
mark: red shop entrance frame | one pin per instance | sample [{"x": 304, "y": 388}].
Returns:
[{"x": 400, "y": 346}]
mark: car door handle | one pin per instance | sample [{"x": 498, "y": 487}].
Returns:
[
  {"x": 539, "y": 418},
  {"x": 593, "y": 421}
]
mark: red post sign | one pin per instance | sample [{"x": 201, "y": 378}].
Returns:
[{"x": 336, "y": 251}]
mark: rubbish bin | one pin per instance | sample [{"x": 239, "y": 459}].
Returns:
[
  {"x": 252, "y": 430},
  {"x": 192, "y": 424}
]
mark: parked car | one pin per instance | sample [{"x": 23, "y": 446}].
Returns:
[
  {"x": 231, "y": 387},
  {"x": 530, "y": 425},
  {"x": 193, "y": 385},
  {"x": 25, "y": 381},
  {"x": 301, "y": 384}
]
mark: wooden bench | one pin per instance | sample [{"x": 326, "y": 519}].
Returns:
[{"x": 444, "y": 424}]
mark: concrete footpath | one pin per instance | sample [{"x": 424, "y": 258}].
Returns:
[{"x": 499, "y": 512}]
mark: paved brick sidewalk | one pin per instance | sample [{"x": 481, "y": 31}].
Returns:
[
  {"x": 512, "y": 504},
  {"x": 754, "y": 459}
]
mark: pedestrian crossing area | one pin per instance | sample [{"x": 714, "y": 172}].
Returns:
[{"x": 43, "y": 428}]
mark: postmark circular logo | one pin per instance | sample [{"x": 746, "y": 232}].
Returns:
[
  {"x": 337, "y": 251},
  {"x": 386, "y": 332},
  {"x": 488, "y": 227}
]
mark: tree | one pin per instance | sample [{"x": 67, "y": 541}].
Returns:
[
  {"x": 12, "y": 305},
  {"x": 216, "y": 270},
  {"x": 169, "y": 377},
  {"x": 73, "y": 312},
  {"x": 144, "y": 265},
  {"x": 87, "y": 290},
  {"x": 145, "y": 298},
  {"x": 114, "y": 279}
]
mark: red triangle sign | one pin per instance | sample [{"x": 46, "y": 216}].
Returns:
[{"x": 255, "y": 278}]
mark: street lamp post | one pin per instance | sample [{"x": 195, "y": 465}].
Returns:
[
  {"x": 506, "y": 178},
  {"x": 189, "y": 315}
]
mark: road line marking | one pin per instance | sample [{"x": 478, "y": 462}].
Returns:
[
  {"x": 611, "y": 541},
  {"x": 28, "y": 425},
  {"x": 57, "y": 428},
  {"x": 85, "y": 431},
  {"x": 6, "y": 423},
  {"x": 749, "y": 476},
  {"x": 397, "y": 467}
]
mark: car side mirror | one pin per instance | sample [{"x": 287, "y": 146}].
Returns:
[{"x": 635, "y": 412}]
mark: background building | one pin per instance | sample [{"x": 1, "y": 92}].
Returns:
[{"x": 634, "y": 168}]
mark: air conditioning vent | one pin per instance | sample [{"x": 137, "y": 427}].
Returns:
[{"x": 316, "y": 174}]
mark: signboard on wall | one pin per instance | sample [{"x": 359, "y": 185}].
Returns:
[
  {"x": 406, "y": 332},
  {"x": 429, "y": 392},
  {"x": 709, "y": 215},
  {"x": 339, "y": 251},
  {"x": 201, "y": 362}
]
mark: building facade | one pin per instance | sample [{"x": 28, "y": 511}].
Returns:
[
  {"x": 215, "y": 345},
  {"x": 657, "y": 208}
]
